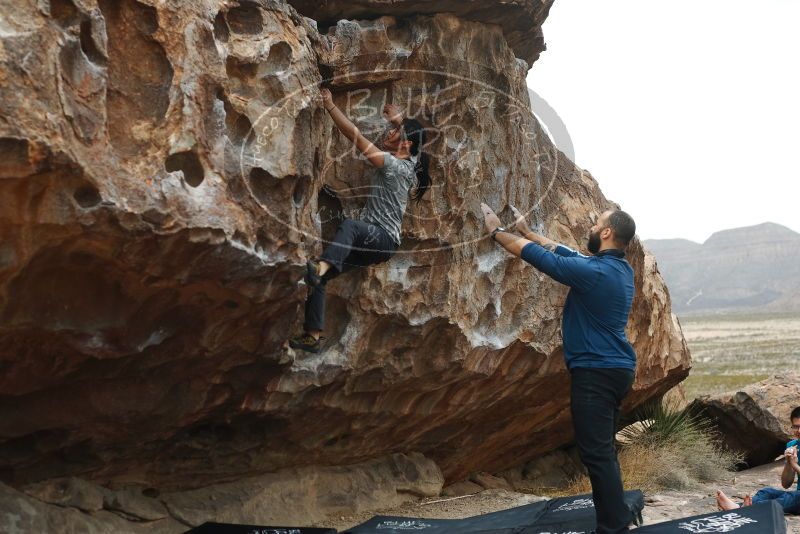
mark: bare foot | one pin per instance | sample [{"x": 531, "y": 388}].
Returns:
[
  {"x": 748, "y": 501},
  {"x": 724, "y": 502}
]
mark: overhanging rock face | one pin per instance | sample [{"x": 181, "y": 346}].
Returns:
[
  {"x": 165, "y": 174},
  {"x": 520, "y": 20}
]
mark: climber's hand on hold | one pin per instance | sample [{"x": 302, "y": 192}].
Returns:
[
  {"x": 489, "y": 218},
  {"x": 393, "y": 113},
  {"x": 349, "y": 130},
  {"x": 520, "y": 222},
  {"x": 326, "y": 98}
]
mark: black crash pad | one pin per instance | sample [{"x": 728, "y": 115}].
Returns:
[
  {"x": 763, "y": 518},
  {"x": 566, "y": 514}
]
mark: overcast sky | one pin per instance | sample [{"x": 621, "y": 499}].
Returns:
[{"x": 686, "y": 112}]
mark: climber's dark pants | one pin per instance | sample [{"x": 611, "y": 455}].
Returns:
[
  {"x": 356, "y": 244},
  {"x": 596, "y": 397}
]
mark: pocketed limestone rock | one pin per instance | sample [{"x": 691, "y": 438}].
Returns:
[{"x": 165, "y": 173}]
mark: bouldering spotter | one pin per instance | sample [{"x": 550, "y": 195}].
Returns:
[{"x": 599, "y": 357}]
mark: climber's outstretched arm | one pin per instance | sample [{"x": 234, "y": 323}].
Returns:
[{"x": 345, "y": 125}]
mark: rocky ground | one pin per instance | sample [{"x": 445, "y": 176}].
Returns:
[
  {"x": 663, "y": 506},
  {"x": 674, "y": 504}
]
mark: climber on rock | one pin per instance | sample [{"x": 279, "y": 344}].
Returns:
[
  {"x": 598, "y": 355},
  {"x": 374, "y": 237}
]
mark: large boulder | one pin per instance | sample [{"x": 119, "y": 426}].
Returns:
[
  {"x": 164, "y": 175},
  {"x": 755, "y": 419}
]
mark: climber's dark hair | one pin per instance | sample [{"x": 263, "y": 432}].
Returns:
[
  {"x": 623, "y": 225},
  {"x": 415, "y": 132},
  {"x": 795, "y": 414}
]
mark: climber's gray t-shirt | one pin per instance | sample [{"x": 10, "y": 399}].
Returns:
[{"x": 388, "y": 195}]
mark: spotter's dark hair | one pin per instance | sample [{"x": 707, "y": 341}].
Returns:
[{"x": 623, "y": 225}]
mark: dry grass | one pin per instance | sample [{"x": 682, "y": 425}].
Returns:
[
  {"x": 670, "y": 449},
  {"x": 732, "y": 351},
  {"x": 638, "y": 470}
]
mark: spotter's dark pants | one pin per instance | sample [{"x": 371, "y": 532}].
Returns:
[
  {"x": 596, "y": 396},
  {"x": 356, "y": 244}
]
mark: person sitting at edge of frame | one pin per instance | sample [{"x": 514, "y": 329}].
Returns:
[
  {"x": 375, "y": 237},
  {"x": 789, "y": 500}
]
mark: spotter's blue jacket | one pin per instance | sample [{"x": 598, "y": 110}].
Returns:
[{"x": 597, "y": 306}]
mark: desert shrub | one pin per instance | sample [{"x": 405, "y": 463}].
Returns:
[{"x": 668, "y": 449}]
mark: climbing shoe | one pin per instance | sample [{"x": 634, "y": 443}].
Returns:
[
  {"x": 307, "y": 343},
  {"x": 312, "y": 278}
]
